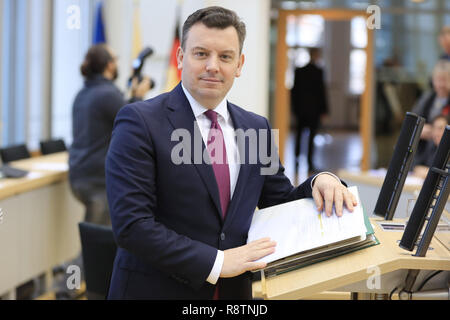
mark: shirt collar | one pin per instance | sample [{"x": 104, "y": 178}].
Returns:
[
  {"x": 94, "y": 79},
  {"x": 198, "y": 109}
]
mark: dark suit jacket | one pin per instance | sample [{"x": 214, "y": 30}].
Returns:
[
  {"x": 167, "y": 218},
  {"x": 93, "y": 113},
  {"x": 308, "y": 95}
]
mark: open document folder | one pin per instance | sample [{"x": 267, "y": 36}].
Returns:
[{"x": 306, "y": 236}]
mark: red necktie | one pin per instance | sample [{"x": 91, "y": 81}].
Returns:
[{"x": 218, "y": 154}]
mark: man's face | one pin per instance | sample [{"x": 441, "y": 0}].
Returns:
[
  {"x": 115, "y": 72},
  {"x": 441, "y": 84},
  {"x": 209, "y": 62},
  {"x": 112, "y": 65}
]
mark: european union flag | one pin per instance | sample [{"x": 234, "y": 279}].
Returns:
[{"x": 99, "y": 28}]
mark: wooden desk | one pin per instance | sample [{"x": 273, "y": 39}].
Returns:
[
  {"x": 39, "y": 228},
  {"x": 38, "y": 177},
  {"x": 351, "y": 268}
]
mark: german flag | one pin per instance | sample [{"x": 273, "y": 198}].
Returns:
[
  {"x": 136, "y": 45},
  {"x": 173, "y": 73}
]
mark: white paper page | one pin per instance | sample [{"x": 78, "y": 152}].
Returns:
[
  {"x": 50, "y": 166},
  {"x": 34, "y": 175},
  {"x": 297, "y": 226}
]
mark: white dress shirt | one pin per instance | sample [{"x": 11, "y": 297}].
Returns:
[
  {"x": 232, "y": 149},
  {"x": 226, "y": 124}
]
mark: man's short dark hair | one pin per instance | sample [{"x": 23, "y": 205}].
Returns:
[
  {"x": 95, "y": 61},
  {"x": 215, "y": 17}
]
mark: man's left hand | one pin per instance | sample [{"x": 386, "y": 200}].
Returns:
[{"x": 328, "y": 191}]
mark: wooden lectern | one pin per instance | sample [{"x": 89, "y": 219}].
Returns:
[{"x": 354, "y": 272}]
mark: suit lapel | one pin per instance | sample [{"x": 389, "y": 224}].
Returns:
[
  {"x": 245, "y": 167},
  {"x": 181, "y": 116}
]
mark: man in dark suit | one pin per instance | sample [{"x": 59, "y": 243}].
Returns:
[
  {"x": 309, "y": 104},
  {"x": 181, "y": 206}
]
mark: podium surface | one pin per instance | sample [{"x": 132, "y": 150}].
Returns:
[{"x": 385, "y": 258}]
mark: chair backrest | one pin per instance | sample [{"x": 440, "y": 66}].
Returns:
[
  {"x": 98, "y": 250},
  {"x": 14, "y": 153},
  {"x": 52, "y": 146}
]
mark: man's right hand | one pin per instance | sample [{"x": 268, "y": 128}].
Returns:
[{"x": 241, "y": 259}]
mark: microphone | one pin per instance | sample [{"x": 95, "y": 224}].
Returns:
[{"x": 138, "y": 64}]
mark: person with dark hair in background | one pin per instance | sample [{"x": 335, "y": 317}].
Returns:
[
  {"x": 181, "y": 228},
  {"x": 93, "y": 113},
  {"x": 308, "y": 104}
]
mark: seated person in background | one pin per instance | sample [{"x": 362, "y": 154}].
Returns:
[
  {"x": 424, "y": 161},
  {"x": 434, "y": 102}
]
